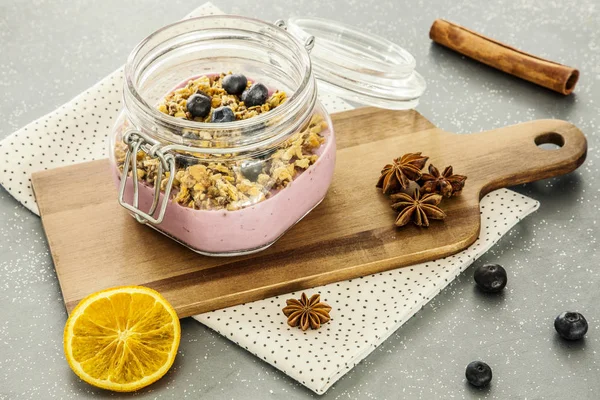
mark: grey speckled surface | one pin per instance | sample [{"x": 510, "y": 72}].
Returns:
[{"x": 52, "y": 50}]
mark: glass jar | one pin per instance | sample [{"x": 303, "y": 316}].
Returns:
[{"x": 221, "y": 188}]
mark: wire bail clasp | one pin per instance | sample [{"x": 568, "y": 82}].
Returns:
[
  {"x": 137, "y": 141},
  {"x": 309, "y": 40}
]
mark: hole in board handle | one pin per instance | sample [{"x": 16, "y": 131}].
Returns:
[{"x": 550, "y": 141}]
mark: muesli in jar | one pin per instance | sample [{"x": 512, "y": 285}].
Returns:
[{"x": 223, "y": 162}]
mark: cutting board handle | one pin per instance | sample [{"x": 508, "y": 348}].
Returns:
[{"x": 512, "y": 155}]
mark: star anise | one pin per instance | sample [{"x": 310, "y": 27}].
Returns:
[
  {"x": 418, "y": 208},
  {"x": 398, "y": 175},
  {"x": 307, "y": 312},
  {"x": 447, "y": 184}
]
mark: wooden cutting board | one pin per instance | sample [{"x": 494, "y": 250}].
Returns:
[{"x": 95, "y": 244}]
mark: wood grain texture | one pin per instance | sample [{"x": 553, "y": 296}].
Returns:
[{"x": 95, "y": 244}]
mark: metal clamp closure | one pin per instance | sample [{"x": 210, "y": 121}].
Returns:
[
  {"x": 309, "y": 40},
  {"x": 137, "y": 141}
]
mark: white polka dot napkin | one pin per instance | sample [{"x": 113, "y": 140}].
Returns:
[
  {"x": 365, "y": 312},
  {"x": 73, "y": 133}
]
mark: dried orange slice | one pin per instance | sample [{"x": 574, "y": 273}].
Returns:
[{"x": 123, "y": 338}]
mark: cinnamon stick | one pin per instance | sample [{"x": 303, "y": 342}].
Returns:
[{"x": 549, "y": 74}]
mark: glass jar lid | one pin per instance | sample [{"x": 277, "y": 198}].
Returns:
[{"x": 359, "y": 67}]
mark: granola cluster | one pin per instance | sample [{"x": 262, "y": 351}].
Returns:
[
  {"x": 175, "y": 103},
  {"x": 205, "y": 182},
  {"x": 232, "y": 185}
]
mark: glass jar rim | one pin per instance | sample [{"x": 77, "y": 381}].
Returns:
[{"x": 170, "y": 123}]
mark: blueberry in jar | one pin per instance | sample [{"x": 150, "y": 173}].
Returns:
[
  {"x": 490, "y": 278},
  {"x": 198, "y": 105},
  {"x": 265, "y": 155},
  {"x": 571, "y": 325},
  {"x": 256, "y": 95},
  {"x": 251, "y": 170},
  {"x": 185, "y": 161},
  {"x": 235, "y": 84},
  {"x": 190, "y": 135},
  {"x": 478, "y": 374},
  {"x": 223, "y": 114}
]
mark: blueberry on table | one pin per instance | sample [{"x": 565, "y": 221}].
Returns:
[
  {"x": 478, "y": 374},
  {"x": 235, "y": 84},
  {"x": 256, "y": 95},
  {"x": 198, "y": 105},
  {"x": 571, "y": 325},
  {"x": 252, "y": 169},
  {"x": 490, "y": 278},
  {"x": 223, "y": 114}
]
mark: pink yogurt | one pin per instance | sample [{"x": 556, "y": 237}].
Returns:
[{"x": 251, "y": 229}]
